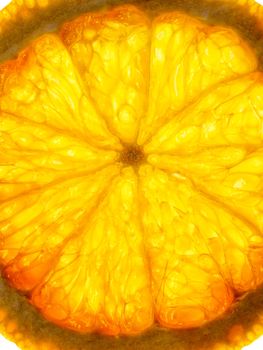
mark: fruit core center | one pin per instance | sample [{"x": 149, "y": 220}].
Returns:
[{"x": 132, "y": 155}]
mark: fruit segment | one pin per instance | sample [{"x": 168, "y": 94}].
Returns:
[
  {"x": 229, "y": 115},
  {"x": 43, "y": 86},
  {"x": 191, "y": 282},
  {"x": 187, "y": 58},
  {"x": 233, "y": 175},
  {"x": 111, "y": 51},
  {"x": 36, "y": 226},
  {"x": 199, "y": 250},
  {"x": 202, "y": 164},
  {"x": 240, "y": 189},
  {"x": 241, "y": 186},
  {"x": 101, "y": 280},
  {"x": 33, "y": 154}
]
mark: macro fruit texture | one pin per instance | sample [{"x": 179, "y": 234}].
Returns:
[{"x": 131, "y": 161}]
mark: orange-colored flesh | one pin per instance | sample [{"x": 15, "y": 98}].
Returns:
[{"x": 102, "y": 246}]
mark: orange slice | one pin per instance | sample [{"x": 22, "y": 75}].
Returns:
[{"x": 131, "y": 172}]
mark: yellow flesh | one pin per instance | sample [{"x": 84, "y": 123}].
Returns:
[{"x": 99, "y": 244}]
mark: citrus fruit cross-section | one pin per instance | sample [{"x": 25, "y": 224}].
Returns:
[{"x": 131, "y": 167}]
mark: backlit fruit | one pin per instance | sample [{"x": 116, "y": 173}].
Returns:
[{"x": 131, "y": 163}]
